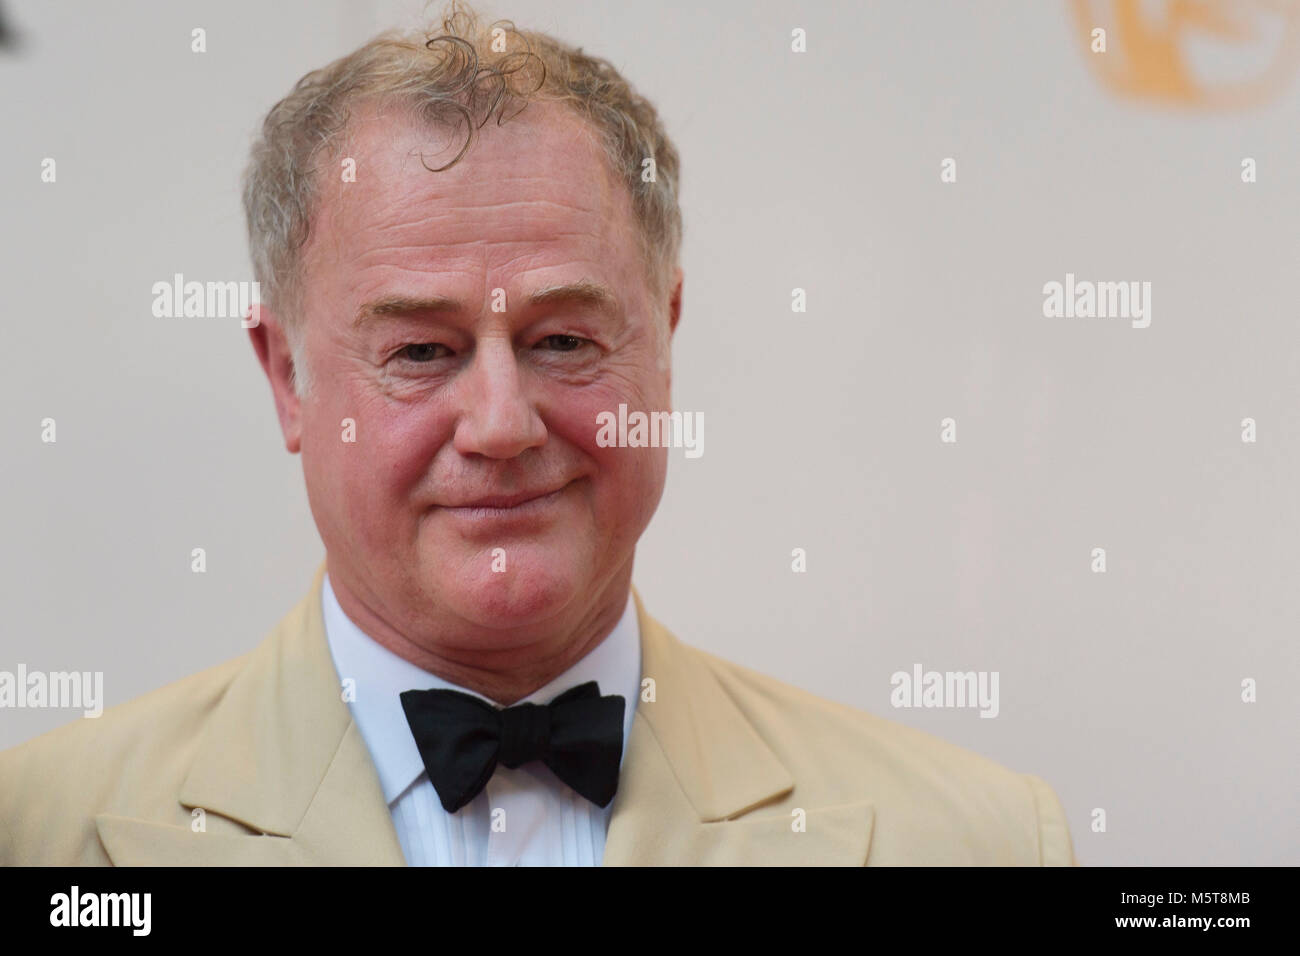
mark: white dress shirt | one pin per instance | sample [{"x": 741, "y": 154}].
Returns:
[{"x": 546, "y": 823}]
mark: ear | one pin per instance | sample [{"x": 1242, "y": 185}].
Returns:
[
  {"x": 675, "y": 302},
  {"x": 271, "y": 344},
  {"x": 674, "y": 316}
]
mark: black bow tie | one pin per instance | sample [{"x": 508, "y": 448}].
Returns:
[{"x": 462, "y": 738}]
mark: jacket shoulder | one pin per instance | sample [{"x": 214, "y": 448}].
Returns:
[
  {"x": 53, "y": 786},
  {"x": 934, "y": 801}
]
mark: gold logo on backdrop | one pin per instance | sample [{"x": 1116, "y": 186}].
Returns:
[{"x": 1215, "y": 54}]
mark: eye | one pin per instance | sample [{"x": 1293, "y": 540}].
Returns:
[
  {"x": 563, "y": 343},
  {"x": 422, "y": 352}
]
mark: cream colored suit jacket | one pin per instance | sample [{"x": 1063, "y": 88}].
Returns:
[{"x": 715, "y": 770}]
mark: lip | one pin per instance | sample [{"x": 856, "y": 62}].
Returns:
[{"x": 498, "y": 503}]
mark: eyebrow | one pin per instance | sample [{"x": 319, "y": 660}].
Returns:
[{"x": 584, "y": 292}]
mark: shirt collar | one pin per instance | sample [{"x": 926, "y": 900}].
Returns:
[{"x": 379, "y": 676}]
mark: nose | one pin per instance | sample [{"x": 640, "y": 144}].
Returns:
[{"x": 497, "y": 420}]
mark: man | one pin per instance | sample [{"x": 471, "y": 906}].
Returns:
[{"x": 470, "y": 251}]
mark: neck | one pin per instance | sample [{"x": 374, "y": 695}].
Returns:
[{"x": 535, "y": 655}]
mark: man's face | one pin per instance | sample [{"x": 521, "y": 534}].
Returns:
[{"x": 468, "y": 404}]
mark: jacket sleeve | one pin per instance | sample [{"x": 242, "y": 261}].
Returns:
[
  {"x": 1054, "y": 846},
  {"x": 8, "y": 774}
]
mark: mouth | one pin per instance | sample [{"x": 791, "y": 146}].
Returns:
[
  {"x": 504, "y": 502},
  {"x": 518, "y": 505}
]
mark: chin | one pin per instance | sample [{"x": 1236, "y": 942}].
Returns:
[{"x": 531, "y": 592}]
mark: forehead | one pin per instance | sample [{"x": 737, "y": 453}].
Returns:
[{"x": 533, "y": 192}]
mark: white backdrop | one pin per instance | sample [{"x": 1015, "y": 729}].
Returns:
[{"x": 820, "y": 171}]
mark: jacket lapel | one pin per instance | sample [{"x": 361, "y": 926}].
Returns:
[
  {"x": 699, "y": 785},
  {"x": 281, "y": 756}
]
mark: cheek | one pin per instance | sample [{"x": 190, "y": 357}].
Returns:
[
  {"x": 573, "y": 412},
  {"x": 387, "y": 456},
  {"x": 404, "y": 441},
  {"x": 627, "y": 482}
]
